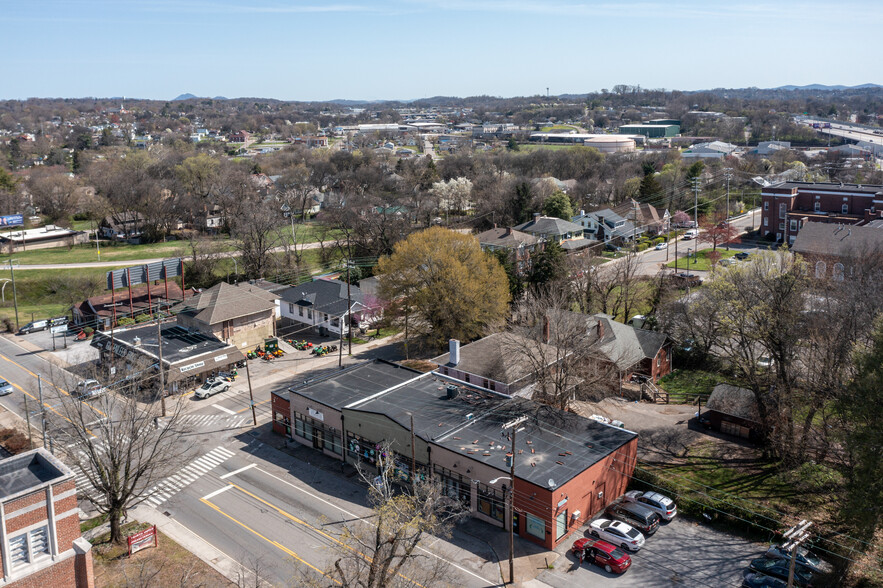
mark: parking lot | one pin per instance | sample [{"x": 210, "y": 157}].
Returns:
[{"x": 681, "y": 553}]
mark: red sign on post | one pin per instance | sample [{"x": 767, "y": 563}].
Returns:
[{"x": 142, "y": 539}]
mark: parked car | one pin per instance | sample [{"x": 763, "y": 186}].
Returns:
[
  {"x": 638, "y": 516},
  {"x": 211, "y": 387},
  {"x": 617, "y": 533},
  {"x": 806, "y": 558},
  {"x": 611, "y": 247},
  {"x": 89, "y": 389},
  {"x": 742, "y": 255},
  {"x": 755, "y": 580},
  {"x": 691, "y": 234},
  {"x": 5, "y": 388},
  {"x": 779, "y": 568},
  {"x": 34, "y": 327},
  {"x": 661, "y": 505},
  {"x": 612, "y": 559},
  {"x": 661, "y": 246}
]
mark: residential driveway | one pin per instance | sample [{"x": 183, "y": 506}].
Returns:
[{"x": 681, "y": 553}]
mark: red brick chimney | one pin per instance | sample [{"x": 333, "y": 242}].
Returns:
[{"x": 600, "y": 328}]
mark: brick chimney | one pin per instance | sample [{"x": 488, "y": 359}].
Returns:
[
  {"x": 600, "y": 328},
  {"x": 508, "y": 231},
  {"x": 546, "y": 329}
]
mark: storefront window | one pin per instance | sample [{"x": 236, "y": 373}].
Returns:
[
  {"x": 535, "y": 526},
  {"x": 490, "y": 503},
  {"x": 455, "y": 486},
  {"x": 363, "y": 450}
]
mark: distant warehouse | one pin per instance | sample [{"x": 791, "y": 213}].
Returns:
[
  {"x": 651, "y": 131},
  {"x": 601, "y": 142}
]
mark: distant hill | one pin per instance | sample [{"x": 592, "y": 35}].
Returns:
[
  {"x": 823, "y": 87},
  {"x": 192, "y": 96}
]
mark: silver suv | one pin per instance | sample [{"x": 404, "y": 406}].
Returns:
[
  {"x": 661, "y": 505},
  {"x": 212, "y": 386}
]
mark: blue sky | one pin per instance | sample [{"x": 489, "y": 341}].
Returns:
[{"x": 404, "y": 49}]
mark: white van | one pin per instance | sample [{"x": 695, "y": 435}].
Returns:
[{"x": 691, "y": 234}]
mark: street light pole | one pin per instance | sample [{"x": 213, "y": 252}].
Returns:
[
  {"x": 162, "y": 376},
  {"x": 42, "y": 408},
  {"x": 254, "y": 418}
]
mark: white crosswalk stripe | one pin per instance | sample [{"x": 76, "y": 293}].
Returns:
[
  {"x": 187, "y": 475},
  {"x": 218, "y": 421}
]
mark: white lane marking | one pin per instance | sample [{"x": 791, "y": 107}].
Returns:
[
  {"x": 211, "y": 495},
  {"x": 355, "y": 516},
  {"x": 239, "y": 471},
  {"x": 225, "y": 409}
]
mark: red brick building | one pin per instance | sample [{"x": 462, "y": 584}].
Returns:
[
  {"x": 40, "y": 540},
  {"x": 567, "y": 468},
  {"x": 786, "y": 207}
]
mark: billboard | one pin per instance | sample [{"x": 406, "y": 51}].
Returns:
[
  {"x": 12, "y": 220},
  {"x": 141, "y": 274}
]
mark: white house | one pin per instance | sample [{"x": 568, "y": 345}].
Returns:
[{"x": 323, "y": 306}]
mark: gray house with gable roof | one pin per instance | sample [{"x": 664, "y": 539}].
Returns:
[{"x": 323, "y": 305}]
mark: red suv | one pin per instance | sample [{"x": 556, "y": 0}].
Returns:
[{"x": 612, "y": 559}]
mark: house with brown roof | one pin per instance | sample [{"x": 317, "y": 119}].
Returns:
[
  {"x": 732, "y": 410},
  {"x": 242, "y": 315},
  {"x": 646, "y": 215},
  {"x": 519, "y": 246}
]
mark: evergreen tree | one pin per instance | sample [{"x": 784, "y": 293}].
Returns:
[
  {"x": 558, "y": 205},
  {"x": 522, "y": 205},
  {"x": 548, "y": 265}
]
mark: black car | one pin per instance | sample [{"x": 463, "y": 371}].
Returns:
[
  {"x": 742, "y": 255},
  {"x": 755, "y": 580},
  {"x": 778, "y": 568},
  {"x": 636, "y": 515}
]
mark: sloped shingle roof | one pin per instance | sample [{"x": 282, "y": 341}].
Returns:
[
  {"x": 733, "y": 401},
  {"x": 224, "y": 302},
  {"x": 548, "y": 225},
  {"x": 323, "y": 295}
]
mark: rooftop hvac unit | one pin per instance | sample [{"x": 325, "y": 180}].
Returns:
[{"x": 453, "y": 391}]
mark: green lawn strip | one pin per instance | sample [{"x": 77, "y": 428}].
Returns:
[
  {"x": 702, "y": 262},
  {"x": 86, "y": 252},
  {"x": 685, "y": 385},
  {"x": 741, "y": 489}
]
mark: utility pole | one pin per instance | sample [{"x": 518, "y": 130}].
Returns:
[
  {"x": 513, "y": 424},
  {"x": 413, "y": 456},
  {"x": 14, "y": 293},
  {"x": 695, "y": 181},
  {"x": 794, "y": 537},
  {"x": 28, "y": 419},
  {"x": 42, "y": 408},
  {"x": 162, "y": 375},
  {"x": 254, "y": 418},
  {"x": 728, "y": 173},
  {"x": 349, "y": 304}
]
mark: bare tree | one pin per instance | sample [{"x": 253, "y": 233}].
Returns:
[
  {"x": 119, "y": 444},
  {"x": 386, "y": 550},
  {"x": 254, "y": 227},
  {"x": 559, "y": 348}
]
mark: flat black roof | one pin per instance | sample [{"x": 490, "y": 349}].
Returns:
[
  {"x": 178, "y": 343},
  {"x": 339, "y": 388},
  {"x": 28, "y": 471},
  {"x": 554, "y": 445}
]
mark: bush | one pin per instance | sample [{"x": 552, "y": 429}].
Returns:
[
  {"x": 642, "y": 246},
  {"x": 88, "y": 331},
  {"x": 657, "y": 241},
  {"x": 142, "y": 318},
  {"x": 125, "y": 321},
  {"x": 14, "y": 441}
]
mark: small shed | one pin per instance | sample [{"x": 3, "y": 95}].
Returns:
[{"x": 732, "y": 410}]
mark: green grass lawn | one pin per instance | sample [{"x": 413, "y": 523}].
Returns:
[
  {"x": 109, "y": 252},
  {"x": 700, "y": 261},
  {"x": 684, "y": 385},
  {"x": 552, "y": 128}
]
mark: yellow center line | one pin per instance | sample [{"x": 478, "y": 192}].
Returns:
[
  {"x": 249, "y": 406},
  {"x": 44, "y": 404},
  {"x": 316, "y": 529},
  {"x": 63, "y": 391},
  {"x": 270, "y": 541}
]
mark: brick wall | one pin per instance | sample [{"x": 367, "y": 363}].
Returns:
[
  {"x": 67, "y": 530},
  {"x": 60, "y": 575}
]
